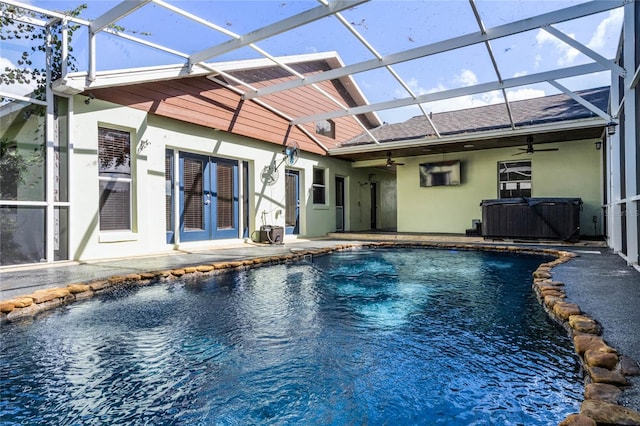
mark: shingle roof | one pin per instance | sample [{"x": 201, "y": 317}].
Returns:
[{"x": 527, "y": 112}]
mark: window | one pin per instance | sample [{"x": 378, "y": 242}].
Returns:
[
  {"x": 319, "y": 188},
  {"x": 514, "y": 179},
  {"x": 114, "y": 162},
  {"x": 326, "y": 128}
]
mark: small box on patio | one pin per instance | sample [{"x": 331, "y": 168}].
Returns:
[{"x": 272, "y": 234}]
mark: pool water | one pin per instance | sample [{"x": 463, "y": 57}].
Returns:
[{"x": 385, "y": 336}]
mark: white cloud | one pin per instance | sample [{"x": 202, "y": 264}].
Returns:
[
  {"x": 524, "y": 93},
  {"x": 489, "y": 98},
  {"x": 14, "y": 89},
  {"x": 520, "y": 74},
  {"x": 566, "y": 53},
  {"x": 537, "y": 60},
  {"x": 604, "y": 36},
  {"x": 464, "y": 78},
  {"x": 610, "y": 24}
]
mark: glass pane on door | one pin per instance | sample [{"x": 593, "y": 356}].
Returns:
[
  {"x": 225, "y": 199},
  {"x": 193, "y": 217},
  {"x": 292, "y": 202}
]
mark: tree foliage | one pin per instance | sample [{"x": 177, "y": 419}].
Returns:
[{"x": 15, "y": 24}]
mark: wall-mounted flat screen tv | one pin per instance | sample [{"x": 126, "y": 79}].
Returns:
[{"x": 443, "y": 173}]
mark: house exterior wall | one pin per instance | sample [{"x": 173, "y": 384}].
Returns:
[
  {"x": 201, "y": 101},
  {"x": 151, "y": 135},
  {"x": 573, "y": 172}
]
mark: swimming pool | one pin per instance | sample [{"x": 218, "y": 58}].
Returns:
[{"x": 371, "y": 336}]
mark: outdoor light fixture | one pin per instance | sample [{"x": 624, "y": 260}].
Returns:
[
  {"x": 89, "y": 98},
  {"x": 611, "y": 128},
  {"x": 598, "y": 145}
]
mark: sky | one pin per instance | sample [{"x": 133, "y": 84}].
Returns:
[{"x": 389, "y": 26}]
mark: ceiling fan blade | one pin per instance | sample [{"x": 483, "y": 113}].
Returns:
[{"x": 547, "y": 149}]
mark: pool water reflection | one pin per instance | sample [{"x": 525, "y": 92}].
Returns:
[{"x": 371, "y": 336}]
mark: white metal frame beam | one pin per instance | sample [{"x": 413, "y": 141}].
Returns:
[
  {"x": 631, "y": 166},
  {"x": 462, "y": 91},
  {"x": 253, "y": 46},
  {"x": 391, "y": 71},
  {"x": 47, "y": 12},
  {"x": 512, "y": 28},
  {"x": 115, "y": 14},
  {"x": 493, "y": 60},
  {"x": 587, "y": 51},
  {"x": 279, "y": 27},
  {"x": 636, "y": 79}
]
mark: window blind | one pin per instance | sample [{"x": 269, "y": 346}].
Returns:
[
  {"x": 290, "y": 200},
  {"x": 114, "y": 152},
  {"x": 224, "y": 177},
  {"x": 114, "y": 179},
  {"x": 168, "y": 179},
  {"x": 193, "y": 193},
  {"x": 115, "y": 205}
]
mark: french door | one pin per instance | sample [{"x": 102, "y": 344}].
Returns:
[
  {"x": 208, "y": 198},
  {"x": 292, "y": 201}
]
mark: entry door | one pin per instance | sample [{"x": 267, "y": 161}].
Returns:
[
  {"x": 339, "y": 204},
  {"x": 374, "y": 205},
  {"x": 292, "y": 203},
  {"x": 208, "y": 198}
]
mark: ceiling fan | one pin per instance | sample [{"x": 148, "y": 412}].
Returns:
[
  {"x": 391, "y": 162},
  {"x": 529, "y": 149}
]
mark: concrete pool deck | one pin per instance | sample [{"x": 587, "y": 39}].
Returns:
[{"x": 598, "y": 280}]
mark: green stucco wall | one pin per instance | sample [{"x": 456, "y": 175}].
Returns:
[{"x": 572, "y": 171}]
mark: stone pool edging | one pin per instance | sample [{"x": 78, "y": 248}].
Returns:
[{"x": 604, "y": 369}]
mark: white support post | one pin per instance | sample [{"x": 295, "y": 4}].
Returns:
[
  {"x": 50, "y": 135},
  {"x": 92, "y": 57},
  {"x": 630, "y": 145},
  {"x": 614, "y": 223},
  {"x": 70, "y": 174},
  {"x": 65, "y": 49}
]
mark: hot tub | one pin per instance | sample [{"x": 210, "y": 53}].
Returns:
[{"x": 532, "y": 218}]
